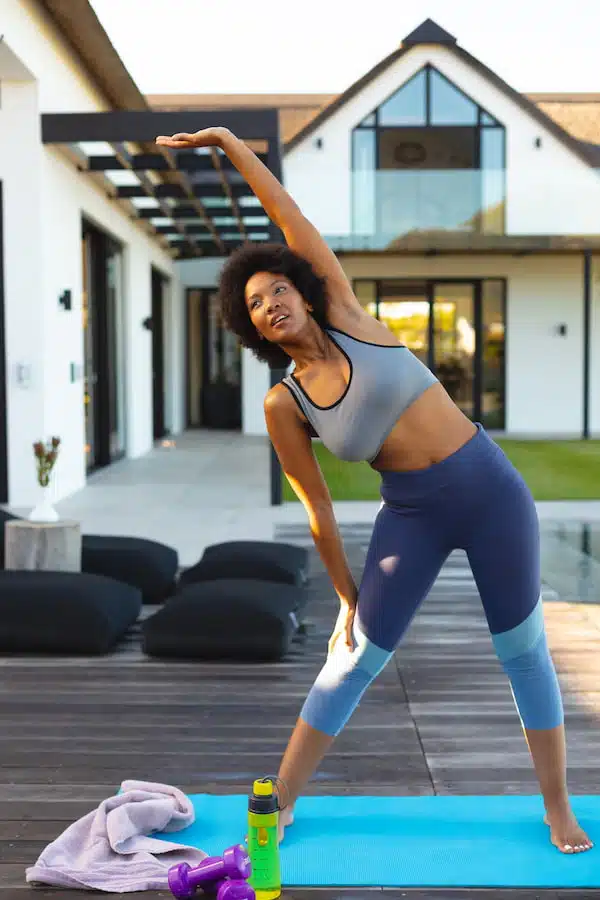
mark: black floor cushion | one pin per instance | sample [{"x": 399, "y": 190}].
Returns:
[
  {"x": 261, "y": 560},
  {"x": 148, "y": 565},
  {"x": 64, "y": 612},
  {"x": 226, "y": 619},
  {"x": 144, "y": 564}
]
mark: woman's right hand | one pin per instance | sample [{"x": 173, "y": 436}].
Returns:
[
  {"x": 343, "y": 628},
  {"x": 207, "y": 137}
]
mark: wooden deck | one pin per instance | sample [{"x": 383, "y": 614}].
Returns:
[{"x": 441, "y": 720}]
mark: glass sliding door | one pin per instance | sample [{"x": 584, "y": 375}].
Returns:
[
  {"x": 90, "y": 374},
  {"x": 195, "y": 361},
  {"x": 158, "y": 354},
  {"x": 103, "y": 350},
  {"x": 456, "y": 328},
  {"x": 222, "y": 375},
  {"x": 115, "y": 350},
  {"x": 404, "y": 307},
  {"x": 493, "y": 381},
  {"x": 214, "y": 365},
  {"x": 454, "y": 341}
]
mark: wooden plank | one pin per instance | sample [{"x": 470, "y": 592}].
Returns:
[{"x": 440, "y": 719}]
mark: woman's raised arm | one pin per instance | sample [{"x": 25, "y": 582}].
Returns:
[{"x": 300, "y": 234}]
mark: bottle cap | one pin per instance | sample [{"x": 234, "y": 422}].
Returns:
[{"x": 263, "y": 788}]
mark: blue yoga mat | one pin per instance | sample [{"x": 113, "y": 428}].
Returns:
[{"x": 498, "y": 841}]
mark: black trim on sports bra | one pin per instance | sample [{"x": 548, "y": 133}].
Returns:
[
  {"x": 360, "y": 340},
  {"x": 346, "y": 389}
]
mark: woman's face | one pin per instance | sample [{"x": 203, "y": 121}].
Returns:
[{"x": 277, "y": 310}]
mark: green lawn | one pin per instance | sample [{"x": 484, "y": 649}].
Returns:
[{"x": 554, "y": 470}]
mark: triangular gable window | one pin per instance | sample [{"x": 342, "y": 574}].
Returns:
[{"x": 408, "y": 105}]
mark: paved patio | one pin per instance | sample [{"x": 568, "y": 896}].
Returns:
[{"x": 213, "y": 486}]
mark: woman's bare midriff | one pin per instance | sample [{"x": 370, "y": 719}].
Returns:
[{"x": 431, "y": 429}]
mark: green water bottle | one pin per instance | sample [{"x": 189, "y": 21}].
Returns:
[{"x": 263, "y": 843}]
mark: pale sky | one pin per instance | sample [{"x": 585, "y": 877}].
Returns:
[{"x": 322, "y": 46}]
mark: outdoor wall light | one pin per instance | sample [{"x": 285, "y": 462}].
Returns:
[
  {"x": 561, "y": 329},
  {"x": 147, "y": 323},
  {"x": 319, "y": 143},
  {"x": 65, "y": 299},
  {"x": 538, "y": 142}
]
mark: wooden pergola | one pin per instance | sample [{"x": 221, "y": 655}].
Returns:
[{"x": 200, "y": 205}]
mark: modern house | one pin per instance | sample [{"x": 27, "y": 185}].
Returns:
[{"x": 466, "y": 214}]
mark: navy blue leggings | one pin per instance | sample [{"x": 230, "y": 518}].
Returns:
[{"x": 474, "y": 500}]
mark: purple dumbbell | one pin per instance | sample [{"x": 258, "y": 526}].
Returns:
[
  {"x": 228, "y": 889},
  {"x": 234, "y": 864}
]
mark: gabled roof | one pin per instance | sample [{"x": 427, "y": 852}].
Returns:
[
  {"x": 594, "y": 153},
  {"x": 295, "y": 110},
  {"x": 429, "y": 32},
  {"x": 579, "y": 114}
]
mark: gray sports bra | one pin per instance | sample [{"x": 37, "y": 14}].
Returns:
[{"x": 384, "y": 381}]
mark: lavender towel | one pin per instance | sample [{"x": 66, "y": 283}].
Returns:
[{"x": 111, "y": 848}]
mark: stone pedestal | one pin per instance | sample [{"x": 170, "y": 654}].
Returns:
[{"x": 51, "y": 546}]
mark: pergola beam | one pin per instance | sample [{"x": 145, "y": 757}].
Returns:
[{"x": 143, "y": 126}]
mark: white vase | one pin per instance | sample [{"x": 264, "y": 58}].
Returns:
[{"x": 44, "y": 511}]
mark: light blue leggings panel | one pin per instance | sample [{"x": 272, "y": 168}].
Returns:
[
  {"x": 525, "y": 657},
  {"x": 342, "y": 681}
]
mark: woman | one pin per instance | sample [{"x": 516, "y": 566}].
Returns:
[{"x": 444, "y": 484}]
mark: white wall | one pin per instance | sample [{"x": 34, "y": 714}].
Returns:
[
  {"x": 544, "y": 370},
  {"x": 45, "y": 198},
  {"x": 64, "y": 85},
  {"x": 21, "y": 175},
  {"x": 549, "y": 190},
  {"x": 256, "y": 382},
  {"x": 67, "y": 196},
  {"x": 595, "y": 361}
]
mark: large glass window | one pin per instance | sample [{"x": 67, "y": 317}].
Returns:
[
  {"x": 449, "y": 106},
  {"x": 364, "y": 165},
  {"x": 407, "y": 106},
  {"x": 428, "y": 158}
]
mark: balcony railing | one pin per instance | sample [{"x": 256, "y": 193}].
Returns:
[
  {"x": 403, "y": 201},
  {"x": 420, "y": 204}
]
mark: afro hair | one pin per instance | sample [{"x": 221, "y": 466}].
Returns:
[{"x": 278, "y": 259}]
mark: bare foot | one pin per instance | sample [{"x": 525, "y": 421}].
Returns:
[
  {"x": 286, "y": 817},
  {"x": 566, "y": 833}
]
